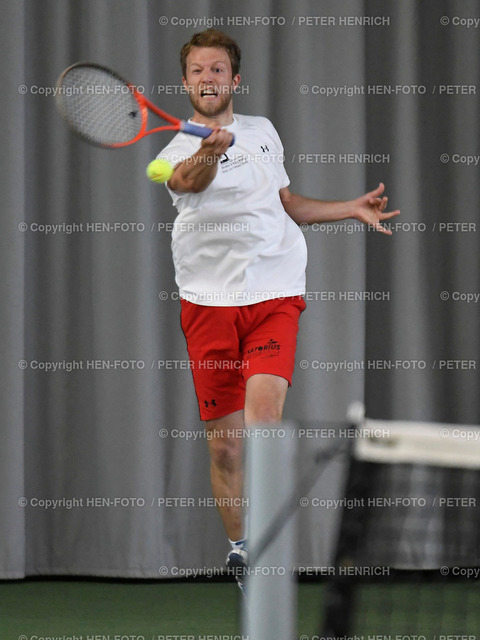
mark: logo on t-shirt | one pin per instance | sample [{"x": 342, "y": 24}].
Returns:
[
  {"x": 231, "y": 162},
  {"x": 271, "y": 348}
]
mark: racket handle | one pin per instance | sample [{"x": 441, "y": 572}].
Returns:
[{"x": 195, "y": 130}]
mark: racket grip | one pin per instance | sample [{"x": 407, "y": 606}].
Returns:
[{"x": 195, "y": 130}]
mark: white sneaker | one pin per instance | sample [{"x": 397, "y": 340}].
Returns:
[{"x": 237, "y": 564}]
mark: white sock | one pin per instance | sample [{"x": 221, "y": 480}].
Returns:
[{"x": 238, "y": 544}]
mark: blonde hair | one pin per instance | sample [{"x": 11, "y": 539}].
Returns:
[{"x": 212, "y": 38}]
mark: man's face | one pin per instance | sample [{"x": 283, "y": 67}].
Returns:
[{"x": 209, "y": 80}]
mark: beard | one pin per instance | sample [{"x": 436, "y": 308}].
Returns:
[{"x": 211, "y": 109}]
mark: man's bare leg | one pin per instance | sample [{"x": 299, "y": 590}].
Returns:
[
  {"x": 264, "y": 401},
  {"x": 226, "y": 471}
]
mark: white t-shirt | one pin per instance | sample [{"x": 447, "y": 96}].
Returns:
[{"x": 233, "y": 243}]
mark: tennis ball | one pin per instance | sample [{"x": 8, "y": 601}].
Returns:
[{"x": 159, "y": 170}]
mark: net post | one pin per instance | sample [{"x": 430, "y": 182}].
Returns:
[
  {"x": 270, "y": 609},
  {"x": 339, "y": 594}
]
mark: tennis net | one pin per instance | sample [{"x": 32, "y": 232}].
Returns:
[{"x": 408, "y": 552}]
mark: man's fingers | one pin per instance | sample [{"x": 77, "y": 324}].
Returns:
[
  {"x": 390, "y": 214},
  {"x": 218, "y": 141},
  {"x": 376, "y": 192},
  {"x": 382, "y": 229},
  {"x": 219, "y": 134}
]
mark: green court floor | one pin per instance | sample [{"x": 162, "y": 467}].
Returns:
[
  {"x": 131, "y": 610},
  {"x": 174, "y": 610}
]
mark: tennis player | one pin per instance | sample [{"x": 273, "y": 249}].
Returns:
[{"x": 240, "y": 260}]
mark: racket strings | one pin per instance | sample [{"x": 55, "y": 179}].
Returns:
[{"x": 99, "y": 106}]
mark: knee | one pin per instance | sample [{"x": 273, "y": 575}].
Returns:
[
  {"x": 264, "y": 413},
  {"x": 226, "y": 454},
  {"x": 264, "y": 399}
]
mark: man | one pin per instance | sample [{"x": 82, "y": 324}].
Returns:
[{"x": 240, "y": 262}]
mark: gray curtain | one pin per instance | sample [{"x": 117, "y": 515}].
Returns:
[
  {"x": 432, "y": 268},
  {"x": 103, "y": 431}
]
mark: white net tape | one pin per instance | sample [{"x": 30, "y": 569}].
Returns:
[{"x": 430, "y": 443}]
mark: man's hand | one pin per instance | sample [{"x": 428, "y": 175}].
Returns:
[
  {"x": 369, "y": 209},
  {"x": 196, "y": 173},
  {"x": 217, "y": 143}
]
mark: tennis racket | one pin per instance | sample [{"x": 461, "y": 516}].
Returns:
[{"x": 106, "y": 110}]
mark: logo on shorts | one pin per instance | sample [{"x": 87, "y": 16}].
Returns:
[
  {"x": 212, "y": 402},
  {"x": 271, "y": 348}
]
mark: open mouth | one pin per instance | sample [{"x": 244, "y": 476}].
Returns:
[{"x": 208, "y": 92}]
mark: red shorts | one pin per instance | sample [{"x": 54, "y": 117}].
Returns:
[{"x": 227, "y": 345}]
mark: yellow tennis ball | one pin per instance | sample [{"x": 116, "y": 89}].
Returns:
[{"x": 159, "y": 170}]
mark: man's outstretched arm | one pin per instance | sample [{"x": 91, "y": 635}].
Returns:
[{"x": 368, "y": 209}]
